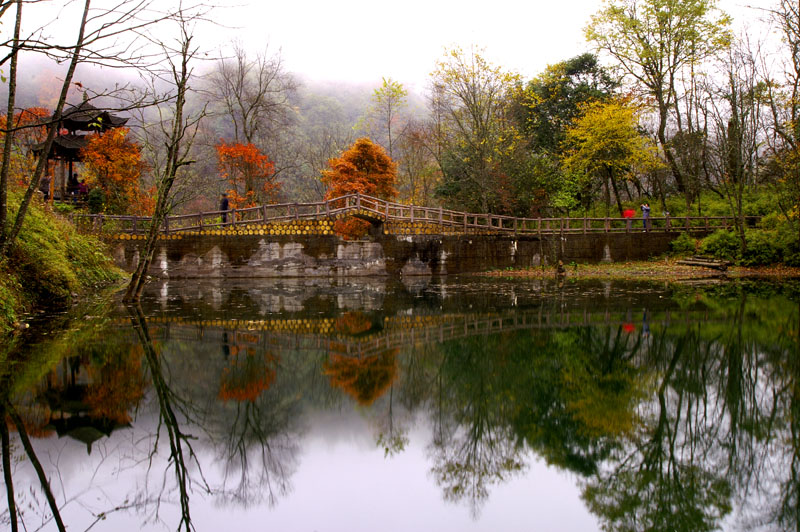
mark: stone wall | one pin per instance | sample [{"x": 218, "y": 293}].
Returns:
[{"x": 243, "y": 256}]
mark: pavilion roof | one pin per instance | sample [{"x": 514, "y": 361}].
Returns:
[
  {"x": 87, "y": 117},
  {"x": 65, "y": 147}
]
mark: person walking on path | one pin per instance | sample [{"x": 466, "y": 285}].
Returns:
[
  {"x": 223, "y": 206},
  {"x": 645, "y": 216}
]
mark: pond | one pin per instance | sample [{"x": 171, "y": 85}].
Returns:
[{"x": 454, "y": 404}]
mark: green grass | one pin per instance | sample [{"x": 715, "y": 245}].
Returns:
[{"x": 49, "y": 262}]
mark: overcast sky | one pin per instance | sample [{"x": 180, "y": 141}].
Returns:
[{"x": 364, "y": 40}]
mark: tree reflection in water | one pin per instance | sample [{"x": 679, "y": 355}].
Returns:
[
  {"x": 717, "y": 432},
  {"x": 671, "y": 424}
]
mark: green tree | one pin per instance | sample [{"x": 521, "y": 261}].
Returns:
[
  {"x": 549, "y": 103},
  {"x": 383, "y": 118},
  {"x": 658, "y": 44},
  {"x": 606, "y": 144},
  {"x": 473, "y": 129},
  {"x": 784, "y": 98}
]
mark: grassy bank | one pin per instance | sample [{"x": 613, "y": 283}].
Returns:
[{"x": 49, "y": 265}]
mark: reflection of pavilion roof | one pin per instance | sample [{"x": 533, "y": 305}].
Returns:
[{"x": 85, "y": 429}]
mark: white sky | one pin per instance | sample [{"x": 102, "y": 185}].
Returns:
[{"x": 363, "y": 40}]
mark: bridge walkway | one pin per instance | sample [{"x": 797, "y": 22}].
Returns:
[{"x": 396, "y": 218}]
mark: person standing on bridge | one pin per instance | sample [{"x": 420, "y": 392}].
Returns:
[
  {"x": 224, "y": 206},
  {"x": 645, "y": 215}
]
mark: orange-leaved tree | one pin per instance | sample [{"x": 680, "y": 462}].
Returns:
[
  {"x": 362, "y": 378},
  {"x": 250, "y": 174},
  {"x": 117, "y": 386},
  {"x": 113, "y": 163},
  {"x": 364, "y": 168},
  {"x": 247, "y": 374}
]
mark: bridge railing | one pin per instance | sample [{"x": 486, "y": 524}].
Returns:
[{"x": 398, "y": 213}]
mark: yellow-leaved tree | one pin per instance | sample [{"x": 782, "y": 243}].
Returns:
[{"x": 605, "y": 145}]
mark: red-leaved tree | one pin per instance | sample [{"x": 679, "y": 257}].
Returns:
[{"x": 250, "y": 174}]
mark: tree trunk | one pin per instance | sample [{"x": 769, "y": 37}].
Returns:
[
  {"x": 613, "y": 182},
  {"x": 26, "y": 443},
  {"x": 9, "y": 140},
  {"x": 51, "y": 134},
  {"x": 175, "y": 161}
]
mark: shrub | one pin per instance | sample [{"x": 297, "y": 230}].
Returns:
[
  {"x": 721, "y": 244},
  {"x": 789, "y": 242},
  {"x": 762, "y": 248},
  {"x": 96, "y": 201},
  {"x": 772, "y": 220},
  {"x": 683, "y": 245}
]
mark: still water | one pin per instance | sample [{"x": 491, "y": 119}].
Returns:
[{"x": 450, "y": 405}]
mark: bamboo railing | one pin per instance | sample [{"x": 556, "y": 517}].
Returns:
[{"x": 393, "y": 213}]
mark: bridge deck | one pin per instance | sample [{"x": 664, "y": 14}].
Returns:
[{"x": 397, "y": 219}]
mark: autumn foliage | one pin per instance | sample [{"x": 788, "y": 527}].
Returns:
[
  {"x": 31, "y": 120},
  {"x": 363, "y": 378},
  {"x": 247, "y": 375},
  {"x": 117, "y": 386},
  {"x": 249, "y": 173},
  {"x": 364, "y": 168},
  {"x": 23, "y": 161},
  {"x": 352, "y": 323},
  {"x": 113, "y": 163}
]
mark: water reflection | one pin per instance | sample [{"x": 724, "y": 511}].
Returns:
[{"x": 675, "y": 409}]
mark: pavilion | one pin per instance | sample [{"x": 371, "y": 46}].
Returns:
[{"x": 78, "y": 121}]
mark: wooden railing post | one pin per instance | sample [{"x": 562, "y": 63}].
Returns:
[
  {"x": 628, "y": 225},
  {"x": 166, "y": 225},
  {"x": 264, "y": 213},
  {"x": 358, "y": 200},
  {"x": 607, "y": 224},
  {"x": 668, "y": 222},
  {"x": 465, "y": 222},
  {"x": 584, "y": 225},
  {"x": 327, "y": 208},
  {"x": 233, "y": 218},
  {"x": 411, "y": 210}
]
